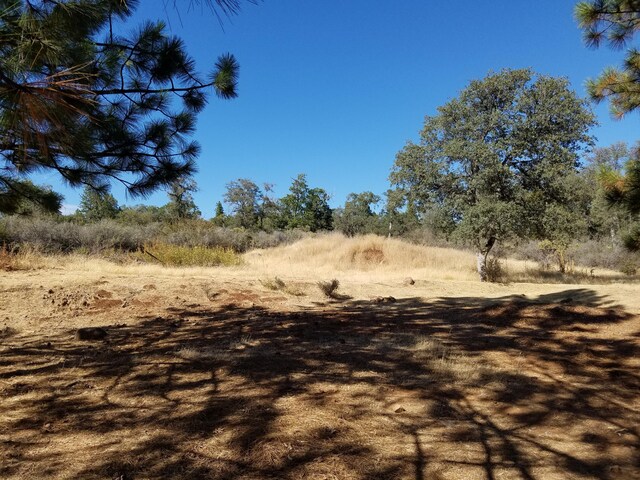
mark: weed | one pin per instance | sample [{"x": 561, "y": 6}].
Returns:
[
  {"x": 495, "y": 272},
  {"x": 275, "y": 284},
  {"x": 329, "y": 288}
]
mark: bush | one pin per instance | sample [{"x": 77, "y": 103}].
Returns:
[
  {"x": 329, "y": 288},
  {"x": 51, "y": 235},
  {"x": 275, "y": 284},
  {"x": 495, "y": 272}
]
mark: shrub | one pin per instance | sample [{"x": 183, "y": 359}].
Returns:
[
  {"x": 51, "y": 235},
  {"x": 329, "y": 288},
  {"x": 629, "y": 269},
  {"x": 495, "y": 271},
  {"x": 275, "y": 284}
]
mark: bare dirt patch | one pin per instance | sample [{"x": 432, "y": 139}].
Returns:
[{"x": 218, "y": 377}]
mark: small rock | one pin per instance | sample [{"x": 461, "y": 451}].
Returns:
[
  {"x": 409, "y": 281},
  {"x": 400, "y": 410},
  {"x": 91, "y": 333}
]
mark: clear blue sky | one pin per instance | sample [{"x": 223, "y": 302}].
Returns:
[{"x": 334, "y": 88}]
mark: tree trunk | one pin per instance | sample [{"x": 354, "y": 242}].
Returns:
[{"x": 482, "y": 259}]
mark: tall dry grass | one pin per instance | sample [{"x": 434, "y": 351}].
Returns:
[
  {"x": 336, "y": 255},
  {"x": 370, "y": 253}
]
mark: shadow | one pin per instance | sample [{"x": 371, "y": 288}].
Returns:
[{"x": 452, "y": 388}]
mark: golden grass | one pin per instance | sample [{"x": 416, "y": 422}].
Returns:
[
  {"x": 178, "y": 256},
  {"x": 334, "y": 253},
  {"x": 308, "y": 261},
  {"x": 25, "y": 259},
  {"x": 337, "y": 253}
]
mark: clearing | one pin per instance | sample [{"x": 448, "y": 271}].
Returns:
[{"x": 225, "y": 373}]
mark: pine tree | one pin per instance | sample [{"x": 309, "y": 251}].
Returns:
[
  {"x": 615, "y": 21},
  {"x": 97, "y": 205},
  {"x": 79, "y": 97}
]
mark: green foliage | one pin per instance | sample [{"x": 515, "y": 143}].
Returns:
[
  {"x": 306, "y": 208},
  {"x": 22, "y": 197},
  {"x": 358, "y": 216},
  {"x": 181, "y": 205},
  {"x": 495, "y": 159},
  {"x": 97, "y": 205},
  {"x": 219, "y": 210},
  {"x": 83, "y": 97},
  {"x": 622, "y": 191},
  {"x": 143, "y": 215},
  {"x": 244, "y": 197},
  {"x": 615, "y": 21}
]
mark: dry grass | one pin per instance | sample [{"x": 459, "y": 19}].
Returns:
[
  {"x": 326, "y": 254},
  {"x": 197, "y": 256},
  {"x": 273, "y": 284},
  {"x": 224, "y": 379},
  {"x": 210, "y": 373},
  {"x": 335, "y": 252},
  {"x": 25, "y": 259}
]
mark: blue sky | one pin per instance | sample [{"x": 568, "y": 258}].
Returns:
[{"x": 334, "y": 88}]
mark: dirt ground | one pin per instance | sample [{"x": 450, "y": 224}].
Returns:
[{"x": 212, "y": 375}]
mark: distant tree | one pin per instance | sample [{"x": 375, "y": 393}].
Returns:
[
  {"x": 306, "y": 208},
  {"x": 97, "y": 205},
  {"x": 219, "y": 210},
  {"x": 616, "y": 21},
  {"x": 81, "y": 98},
  {"x": 399, "y": 212},
  {"x": 181, "y": 205},
  {"x": 358, "y": 216},
  {"x": 244, "y": 197},
  {"x": 493, "y": 160},
  {"x": 219, "y": 218},
  {"x": 143, "y": 214},
  {"x": 270, "y": 212}
]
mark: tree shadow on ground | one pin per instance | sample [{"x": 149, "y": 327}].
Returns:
[{"x": 545, "y": 388}]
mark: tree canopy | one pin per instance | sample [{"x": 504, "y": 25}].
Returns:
[
  {"x": 79, "y": 97},
  {"x": 306, "y": 208},
  {"x": 495, "y": 161}
]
